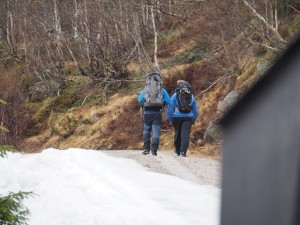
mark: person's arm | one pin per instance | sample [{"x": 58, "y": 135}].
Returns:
[
  {"x": 194, "y": 109},
  {"x": 141, "y": 97},
  {"x": 171, "y": 108},
  {"x": 166, "y": 97}
]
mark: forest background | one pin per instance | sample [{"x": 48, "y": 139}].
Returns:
[{"x": 71, "y": 70}]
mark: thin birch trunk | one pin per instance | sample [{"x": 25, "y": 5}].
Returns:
[
  {"x": 87, "y": 32},
  {"x": 56, "y": 20},
  {"x": 75, "y": 23},
  {"x": 24, "y": 38},
  {"x": 155, "y": 38},
  {"x": 269, "y": 26},
  {"x": 9, "y": 29}
]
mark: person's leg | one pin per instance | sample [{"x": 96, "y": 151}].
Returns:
[
  {"x": 185, "y": 135},
  {"x": 146, "y": 136},
  {"x": 177, "y": 136},
  {"x": 156, "y": 125},
  {"x": 155, "y": 138}
]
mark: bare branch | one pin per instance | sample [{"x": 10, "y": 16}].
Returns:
[
  {"x": 214, "y": 83},
  {"x": 269, "y": 26},
  {"x": 294, "y": 8}
]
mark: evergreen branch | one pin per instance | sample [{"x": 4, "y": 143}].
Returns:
[
  {"x": 12, "y": 211},
  {"x": 4, "y": 149}
]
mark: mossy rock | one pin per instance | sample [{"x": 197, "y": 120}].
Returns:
[{"x": 63, "y": 125}]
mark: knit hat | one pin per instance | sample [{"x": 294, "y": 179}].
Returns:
[{"x": 180, "y": 81}]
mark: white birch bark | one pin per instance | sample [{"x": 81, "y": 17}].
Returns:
[
  {"x": 87, "y": 32},
  {"x": 99, "y": 33},
  {"x": 118, "y": 33},
  {"x": 268, "y": 25},
  {"x": 155, "y": 38},
  {"x": 9, "y": 29},
  {"x": 57, "y": 26},
  {"x": 24, "y": 40},
  {"x": 75, "y": 23}
]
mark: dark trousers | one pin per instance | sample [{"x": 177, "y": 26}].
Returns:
[
  {"x": 182, "y": 126},
  {"x": 152, "y": 122}
]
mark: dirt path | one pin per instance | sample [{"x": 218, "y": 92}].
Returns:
[{"x": 200, "y": 170}]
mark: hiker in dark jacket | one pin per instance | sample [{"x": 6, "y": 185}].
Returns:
[
  {"x": 182, "y": 122},
  {"x": 152, "y": 117}
]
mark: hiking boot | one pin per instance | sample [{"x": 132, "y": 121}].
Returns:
[
  {"x": 177, "y": 152},
  {"x": 183, "y": 154},
  {"x": 153, "y": 152},
  {"x": 146, "y": 152}
]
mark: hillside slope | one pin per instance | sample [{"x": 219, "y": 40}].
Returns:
[{"x": 215, "y": 51}]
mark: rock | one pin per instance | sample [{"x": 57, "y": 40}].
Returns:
[
  {"x": 40, "y": 87},
  {"x": 263, "y": 66},
  {"x": 200, "y": 142},
  {"x": 228, "y": 101},
  {"x": 213, "y": 132}
]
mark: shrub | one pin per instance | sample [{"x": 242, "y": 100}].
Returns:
[{"x": 12, "y": 211}]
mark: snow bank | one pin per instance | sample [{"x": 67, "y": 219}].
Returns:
[{"x": 78, "y": 187}]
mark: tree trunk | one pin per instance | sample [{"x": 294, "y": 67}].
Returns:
[
  {"x": 87, "y": 32},
  {"x": 268, "y": 25},
  {"x": 155, "y": 38},
  {"x": 75, "y": 23},
  {"x": 56, "y": 20}
]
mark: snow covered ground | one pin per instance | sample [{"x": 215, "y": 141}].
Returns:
[{"x": 85, "y": 187}]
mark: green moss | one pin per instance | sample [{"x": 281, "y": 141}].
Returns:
[
  {"x": 70, "y": 70},
  {"x": 44, "y": 111},
  {"x": 62, "y": 124},
  {"x": 67, "y": 126},
  {"x": 33, "y": 107},
  {"x": 293, "y": 27},
  {"x": 27, "y": 83},
  {"x": 188, "y": 57},
  {"x": 171, "y": 37},
  {"x": 93, "y": 100},
  {"x": 162, "y": 35},
  {"x": 66, "y": 100},
  {"x": 86, "y": 121},
  {"x": 260, "y": 53}
]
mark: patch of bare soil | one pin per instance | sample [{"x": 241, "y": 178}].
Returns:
[{"x": 201, "y": 170}]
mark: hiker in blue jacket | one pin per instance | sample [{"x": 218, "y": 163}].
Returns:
[
  {"x": 182, "y": 121},
  {"x": 152, "y": 117}
]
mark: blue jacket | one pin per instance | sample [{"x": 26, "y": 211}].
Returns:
[
  {"x": 174, "y": 112},
  {"x": 164, "y": 93}
]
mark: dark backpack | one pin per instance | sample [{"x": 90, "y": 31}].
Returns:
[
  {"x": 184, "y": 97},
  {"x": 153, "y": 97}
]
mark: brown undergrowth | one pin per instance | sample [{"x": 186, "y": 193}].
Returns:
[{"x": 213, "y": 65}]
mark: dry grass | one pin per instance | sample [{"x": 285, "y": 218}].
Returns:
[
  {"x": 209, "y": 150},
  {"x": 118, "y": 125},
  {"x": 36, "y": 143}
]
